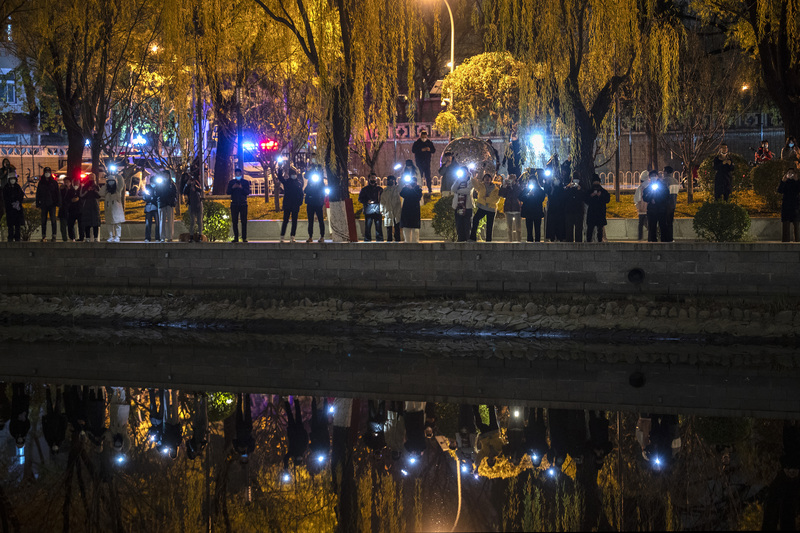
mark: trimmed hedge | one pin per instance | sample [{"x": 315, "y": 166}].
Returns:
[
  {"x": 723, "y": 431},
  {"x": 766, "y": 178},
  {"x": 444, "y": 219},
  {"x": 721, "y": 222},
  {"x": 216, "y": 220}
]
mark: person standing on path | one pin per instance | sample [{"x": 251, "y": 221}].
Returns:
[
  {"x": 641, "y": 205},
  {"x": 315, "y": 202},
  {"x": 149, "y": 193},
  {"x": 90, "y": 208},
  {"x": 723, "y": 168},
  {"x": 370, "y": 198},
  {"x": 488, "y": 196},
  {"x": 575, "y": 198},
  {"x": 391, "y": 208},
  {"x": 12, "y": 202},
  {"x": 113, "y": 192},
  {"x": 789, "y": 187},
  {"x": 423, "y": 149},
  {"x": 596, "y": 202},
  {"x": 463, "y": 190},
  {"x": 238, "y": 190},
  {"x": 292, "y": 185},
  {"x": 410, "y": 217},
  {"x": 511, "y": 191},
  {"x": 6, "y": 171},
  {"x": 531, "y": 201},
  {"x": 71, "y": 203},
  {"x": 193, "y": 190},
  {"x": 48, "y": 199},
  {"x": 166, "y": 199},
  {"x": 656, "y": 194},
  {"x": 674, "y": 189},
  {"x": 449, "y": 173}
]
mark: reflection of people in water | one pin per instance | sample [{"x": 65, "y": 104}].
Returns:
[
  {"x": 599, "y": 443},
  {"x": 199, "y": 439},
  {"x": 394, "y": 429},
  {"x": 567, "y": 434},
  {"x": 244, "y": 444},
  {"x": 54, "y": 422},
  {"x": 515, "y": 434},
  {"x": 659, "y": 437},
  {"x": 489, "y": 444},
  {"x": 467, "y": 435},
  {"x": 536, "y": 435},
  {"x": 156, "y": 412},
  {"x": 173, "y": 430},
  {"x": 119, "y": 412},
  {"x": 782, "y": 504},
  {"x": 96, "y": 420},
  {"x": 374, "y": 436},
  {"x": 415, "y": 428},
  {"x": 320, "y": 445},
  {"x": 296, "y": 434},
  {"x": 20, "y": 423}
]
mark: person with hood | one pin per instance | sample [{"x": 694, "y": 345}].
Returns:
[
  {"x": 596, "y": 202},
  {"x": 19, "y": 423},
  {"x": 315, "y": 202},
  {"x": 90, "y": 208},
  {"x": 488, "y": 196},
  {"x": 296, "y": 434},
  {"x": 12, "y": 202},
  {"x": 113, "y": 193},
  {"x": 723, "y": 168},
  {"x": 410, "y": 217},
  {"x": 370, "y": 198},
  {"x": 423, "y": 149},
  {"x": 166, "y": 200},
  {"x": 150, "y": 195},
  {"x": 196, "y": 444},
  {"x": 656, "y": 194},
  {"x": 54, "y": 421},
  {"x": 575, "y": 198},
  {"x": 48, "y": 199},
  {"x": 641, "y": 205},
  {"x": 391, "y": 208},
  {"x": 449, "y": 173},
  {"x": 6, "y": 170},
  {"x": 71, "y": 203},
  {"x": 531, "y": 200},
  {"x": 292, "y": 185},
  {"x": 511, "y": 191},
  {"x": 514, "y": 156},
  {"x": 193, "y": 191},
  {"x": 244, "y": 444},
  {"x": 463, "y": 190},
  {"x": 789, "y": 187},
  {"x": 119, "y": 410}
]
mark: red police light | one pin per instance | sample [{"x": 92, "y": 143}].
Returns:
[{"x": 269, "y": 145}]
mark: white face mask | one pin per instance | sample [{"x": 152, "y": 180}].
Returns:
[
  {"x": 47, "y": 174},
  {"x": 12, "y": 181},
  {"x": 76, "y": 187}
]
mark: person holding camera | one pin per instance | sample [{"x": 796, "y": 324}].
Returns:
[
  {"x": 391, "y": 208},
  {"x": 166, "y": 199},
  {"x": 789, "y": 151},
  {"x": 723, "y": 168},
  {"x": 315, "y": 201},
  {"x": 292, "y": 185},
  {"x": 575, "y": 198},
  {"x": 370, "y": 198},
  {"x": 514, "y": 155},
  {"x": 596, "y": 202},
  {"x": 71, "y": 206},
  {"x": 789, "y": 187},
  {"x": 656, "y": 194},
  {"x": 463, "y": 204},
  {"x": 449, "y": 172},
  {"x": 531, "y": 201},
  {"x": 488, "y": 196},
  {"x": 763, "y": 153},
  {"x": 193, "y": 190},
  {"x": 423, "y": 149},
  {"x": 238, "y": 189},
  {"x": 511, "y": 190},
  {"x": 148, "y": 193},
  {"x": 555, "y": 217},
  {"x": 410, "y": 217},
  {"x": 641, "y": 205}
]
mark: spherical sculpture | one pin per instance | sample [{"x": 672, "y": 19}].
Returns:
[{"x": 476, "y": 154}]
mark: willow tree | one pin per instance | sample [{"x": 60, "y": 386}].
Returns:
[
  {"x": 768, "y": 30},
  {"x": 576, "y": 57},
  {"x": 352, "y": 46}
]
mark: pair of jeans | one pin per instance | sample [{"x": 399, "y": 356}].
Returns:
[
  {"x": 463, "y": 225},
  {"x": 196, "y": 219},
  {"x": 642, "y": 226},
  {"x": 370, "y": 221},
  {"x": 574, "y": 222},
  {"x": 312, "y": 212},
  {"x": 239, "y": 212},
  {"x": 787, "y": 231},
  {"x": 51, "y": 212},
  {"x": 534, "y": 227},
  {"x": 514, "y": 223},
  {"x": 150, "y": 222},
  {"x": 476, "y": 220},
  {"x": 393, "y": 231},
  {"x": 293, "y": 214},
  {"x": 72, "y": 220},
  {"x": 655, "y": 222},
  {"x": 166, "y": 222}
]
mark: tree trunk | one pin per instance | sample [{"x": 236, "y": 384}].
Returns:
[
  {"x": 226, "y": 133},
  {"x": 585, "y": 138},
  {"x": 96, "y": 149},
  {"x": 278, "y": 189},
  {"x": 337, "y": 151},
  {"x": 74, "y": 151}
]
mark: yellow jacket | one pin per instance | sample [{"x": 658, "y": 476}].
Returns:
[{"x": 487, "y": 201}]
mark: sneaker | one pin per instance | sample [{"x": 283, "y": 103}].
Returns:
[
  {"x": 244, "y": 240},
  {"x": 291, "y": 239},
  {"x": 283, "y": 239},
  {"x": 147, "y": 240},
  {"x": 110, "y": 239},
  {"x": 309, "y": 240},
  {"x": 235, "y": 240},
  {"x": 321, "y": 239},
  {"x": 43, "y": 240}
]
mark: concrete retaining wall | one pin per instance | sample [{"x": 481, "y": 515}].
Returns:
[{"x": 676, "y": 269}]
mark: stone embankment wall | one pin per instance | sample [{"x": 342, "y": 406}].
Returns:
[{"x": 477, "y": 270}]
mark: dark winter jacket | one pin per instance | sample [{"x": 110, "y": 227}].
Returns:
[
  {"x": 723, "y": 183},
  {"x": 596, "y": 201},
  {"x": 90, "y": 205},
  {"x": 315, "y": 194},
  {"x": 790, "y": 206},
  {"x": 54, "y": 427},
  {"x": 166, "y": 194},
  {"x": 656, "y": 194},
  {"x": 193, "y": 190},
  {"x": 12, "y": 201},
  {"x": 423, "y": 150},
  {"x": 575, "y": 198},
  {"x": 48, "y": 194},
  {"x": 5, "y": 172},
  {"x": 531, "y": 200},
  {"x": 410, "y": 213},
  {"x": 238, "y": 190},
  {"x": 71, "y": 203},
  {"x": 513, "y": 157},
  {"x": 292, "y": 191},
  {"x": 512, "y": 194},
  {"x": 449, "y": 174},
  {"x": 148, "y": 192},
  {"x": 370, "y": 198}
]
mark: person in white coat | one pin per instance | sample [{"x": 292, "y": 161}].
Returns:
[
  {"x": 113, "y": 192},
  {"x": 391, "y": 205}
]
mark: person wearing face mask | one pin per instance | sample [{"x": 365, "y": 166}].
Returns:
[
  {"x": 763, "y": 154},
  {"x": 149, "y": 193},
  {"x": 555, "y": 222},
  {"x": 596, "y": 202},
  {"x": 48, "y": 199},
  {"x": 511, "y": 191},
  {"x": 463, "y": 203},
  {"x": 239, "y": 190},
  {"x": 166, "y": 199},
  {"x": 488, "y": 196},
  {"x": 723, "y": 167},
  {"x": 315, "y": 201},
  {"x": 71, "y": 206},
  {"x": 113, "y": 192},
  {"x": 789, "y": 151},
  {"x": 656, "y": 194},
  {"x": 423, "y": 149},
  {"x": 789, "y": 187},
  {"x": 292, "y": 185},
  {"x": 391, "y": 207},
  {"x": 411, "y": 193},
  {"x": 90, "y": 208},
  {"x": 12, "y": 202},
  {"x": 370, "y": 198},
  {"x": 193, "y": 190}
]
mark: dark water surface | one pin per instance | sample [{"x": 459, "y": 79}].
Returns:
[{"x": 589, "y": 435}]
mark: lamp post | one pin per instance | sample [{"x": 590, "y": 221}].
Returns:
[{"x": 452, "y": 63}]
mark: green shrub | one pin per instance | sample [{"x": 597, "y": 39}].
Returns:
[
  {"x": 33, "y": 221},
  {"x": 444, "y": 219},
  {"x": 766, "y": 178},
  {"x": 716, "y": 430},
  {"x": 220, "y": 405},
  {"x": 740, "y": 177},
  {"x": 721, "y": 222},
  {"x": 216, "y": 220}
]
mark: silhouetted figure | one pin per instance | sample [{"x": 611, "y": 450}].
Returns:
[
  {"x": 54, "y": 422},
  {"x": 489, "y": 443},
  {"x": 157, "y": 416},
  {"x": 173, "y": 429},
  {"x": 96, "y": 419},
  {"x": 5, "y": 407},
  {"x": 515, "y": 434},
  {"x": 320, "y": 442},
  {"x": 119, "y": 410},
  {"x": 782, "y": 503},
  {"x": 75, "y": 407},
  {"x": 414, "y": 417},
  {"x": 659, "y": 437},
  {"x": 19, "y": 424},
  {"x": 599, "y": 443},
  {"x": 467, "y": 434},
  {"x": 536, "y": 435},
  {"x": 374, "y": 437},
  {"x": 296, "y": 434},
  {"x": 197, "y": 443},
  {"x": 567, "y": 434}
]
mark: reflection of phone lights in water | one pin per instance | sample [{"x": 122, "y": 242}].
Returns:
[
  {"x": 404, "y": 472},
  {"x": 320, "y": 458},
  {"x": 464, "y": 468},
  {"x": 551, "y": 472},
  {"x": 286, "y": 478}
]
